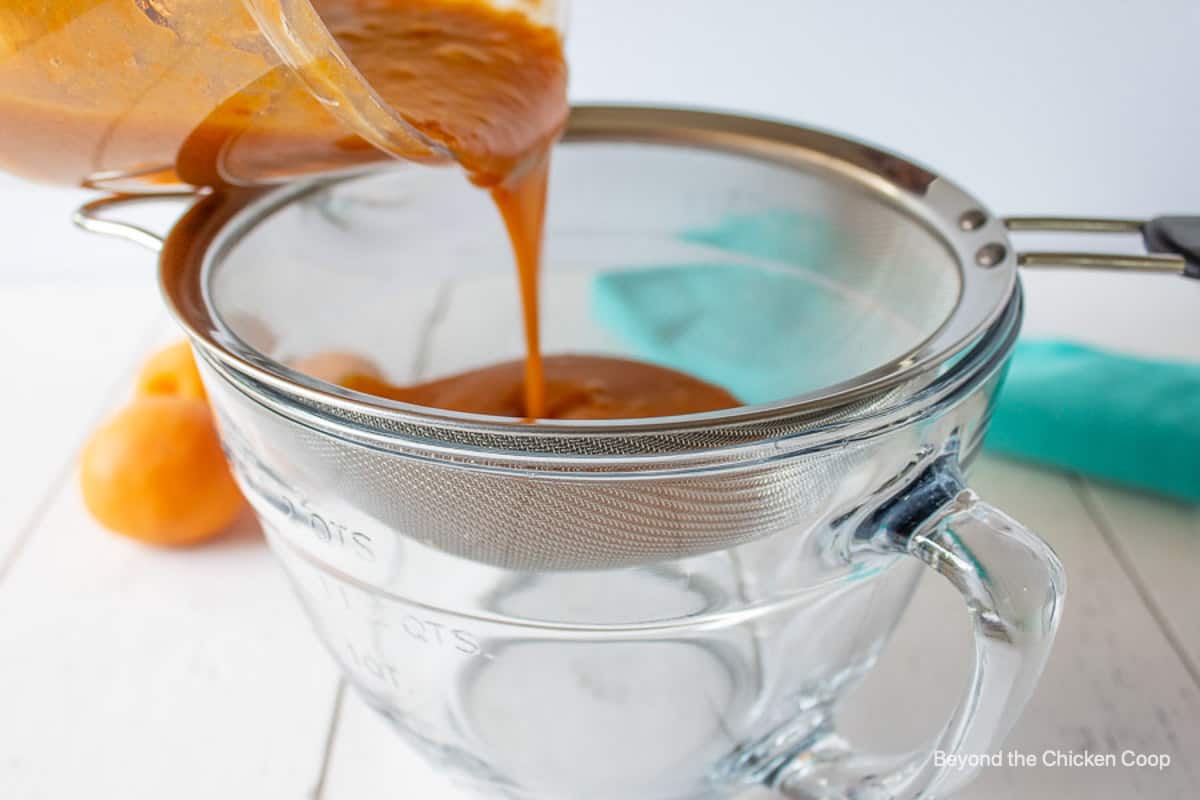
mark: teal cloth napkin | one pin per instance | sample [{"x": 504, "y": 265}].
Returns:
[
  {"x": 1129, "y": 420},
  {"x": 806, "y": 332},
  {"x": 692, "y": 317},
  {"x": 1123, "y": 419}
]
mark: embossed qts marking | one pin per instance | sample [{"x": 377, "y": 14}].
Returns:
[
  {"x": 334, "y": 533},
  {"x": 266, "y": 490}
]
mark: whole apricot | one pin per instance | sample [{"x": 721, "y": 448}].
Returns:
[
  {"x": 171, "y": 371},
  {"x": 334, "y": 366},
  {"x": 155, "y": 472}
]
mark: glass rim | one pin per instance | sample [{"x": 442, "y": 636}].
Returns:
[{"x": 980, "y": 363}]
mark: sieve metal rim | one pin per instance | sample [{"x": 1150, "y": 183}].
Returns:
[{"x": 218, "y": 221}]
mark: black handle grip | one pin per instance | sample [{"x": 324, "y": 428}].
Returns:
[{"x": 1178, "y": 235}]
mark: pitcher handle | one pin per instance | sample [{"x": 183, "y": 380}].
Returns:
[
  {"x": 1013, "y": 584},
  {"x": 92, "y": 217}
]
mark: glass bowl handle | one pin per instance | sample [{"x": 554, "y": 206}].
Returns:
[{"x": 1013, "y": 584}]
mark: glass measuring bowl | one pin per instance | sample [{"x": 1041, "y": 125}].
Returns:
[
  {"x": 132, "y": 95},
  {"x": 662, "y": 608}
]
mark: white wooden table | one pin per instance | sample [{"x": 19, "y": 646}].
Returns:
[{"x": 127, "y": 672}]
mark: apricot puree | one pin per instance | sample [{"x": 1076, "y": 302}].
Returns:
[
  {"x": 112, "y": 91},
  {"x": 577, "y": 387}
]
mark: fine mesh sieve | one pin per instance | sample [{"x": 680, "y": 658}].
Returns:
[
  {"x": 574, "y": 505},
  {"x": 847, "y": 273},
  {"x": 820, "y": 280},
  {"x": 826, "y": 283}
]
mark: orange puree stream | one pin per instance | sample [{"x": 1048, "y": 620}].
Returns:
[{"x": 490, "y": 86}]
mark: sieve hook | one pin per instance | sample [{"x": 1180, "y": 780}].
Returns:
[
  {"x": 89, "y": 217},
  {"x": 1173, "y": 243}
]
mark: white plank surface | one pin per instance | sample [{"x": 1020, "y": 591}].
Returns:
[
  {"x": 368, "y": 761},
  {"x": 58, "y": 376},
  {"x": 131, "y": 672},
  {"x": 1159, "y": 543},
  {"x": 134, "y": 672}
]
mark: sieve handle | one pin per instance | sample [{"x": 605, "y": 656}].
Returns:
[
  {"x": 1172, "y": 243},
  {"x": 1178, "y": 235},
  {"x": 1013, "y": 585},
  {"x": 92, "y": 217}
]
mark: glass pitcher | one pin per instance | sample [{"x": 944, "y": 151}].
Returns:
[{"x": 130, "y": 95}]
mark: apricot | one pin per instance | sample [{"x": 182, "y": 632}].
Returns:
[
  {"x": 171, "y": 371},
  {"x": 155, "y": 472},
  {"x": 333, "y": 366}
]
